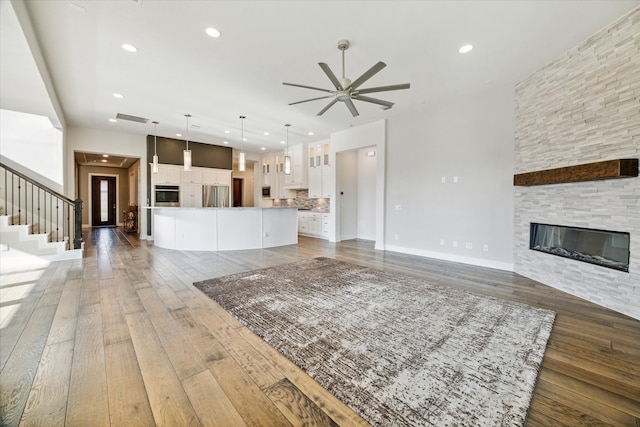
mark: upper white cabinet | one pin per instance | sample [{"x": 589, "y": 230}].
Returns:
[
  {"x": 168, "y": 174},
  {"x": 320, "y": 171},
  {"x": 194, "y": 176},
  {"x": 297, "y": 179},
  {"x": 267, "y": 170},
  {"x": 216, "y": 177}
]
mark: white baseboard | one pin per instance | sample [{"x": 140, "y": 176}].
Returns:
[{"x": 498, "y": 265}]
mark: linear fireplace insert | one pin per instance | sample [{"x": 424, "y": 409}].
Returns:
[{"x": 601, "y": 247}]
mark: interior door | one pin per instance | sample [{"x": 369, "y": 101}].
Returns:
[
  {"x": 103, "y": 201},
  {"x": 237, "y": 192}
]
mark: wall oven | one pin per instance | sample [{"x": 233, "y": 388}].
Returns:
[{"x": 167, "y": 195}]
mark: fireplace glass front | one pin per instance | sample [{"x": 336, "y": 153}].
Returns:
[{"x": 605, "y": 248}]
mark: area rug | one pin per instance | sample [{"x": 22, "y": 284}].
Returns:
[{"x": 396, "y": 349}]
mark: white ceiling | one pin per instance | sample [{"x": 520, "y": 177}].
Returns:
[{"x": 178, "y": 69}]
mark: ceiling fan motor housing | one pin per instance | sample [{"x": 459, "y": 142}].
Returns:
[{"x": 343, "y": 44}]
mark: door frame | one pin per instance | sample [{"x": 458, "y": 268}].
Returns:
[{"x": 90, "y": 204}]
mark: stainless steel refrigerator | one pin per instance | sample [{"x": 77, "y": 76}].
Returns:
[{"x": 215, "y": 196}]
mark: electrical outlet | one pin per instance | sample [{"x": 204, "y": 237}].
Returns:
[
  {"x": 455, "y": 244},
  {"x": 398, "y": 207},
  {"x": 443, "y": 180},
  {"x": 468, "y": 245},
  {"x": 485, "y": 247},
  {"x": 441, "y": 242},
  {"x": 395, "y": 236}
]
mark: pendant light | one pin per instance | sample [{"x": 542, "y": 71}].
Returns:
[
  {"x": 154, "y": 168},
  {"x": 287, "y": 157},
  {"x": 187, "y": 152},
  {"x": 241, "y": 156}
]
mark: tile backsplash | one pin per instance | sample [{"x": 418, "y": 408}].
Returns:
[{"x": 302, "y": 201}]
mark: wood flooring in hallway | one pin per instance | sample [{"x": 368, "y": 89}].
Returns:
[{"x": 123, "y": 338}]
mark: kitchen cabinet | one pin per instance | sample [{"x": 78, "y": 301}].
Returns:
[
  {"x": 191, "y": 195},
  {"x": 315, "y": 223},
  {"x": 216, "y": 177},
  {"x": 168, "y": 174},
  {"x": 194, "y": 176},
  {"x": 326, "y": 218},
  {"x": 320, "y": 174},
  {"x": 303, "y": 222},
  {"x": 268, "y": 170},
  {"x": 298, "y": 177}
]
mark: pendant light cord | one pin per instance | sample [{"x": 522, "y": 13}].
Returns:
[
  {"x": 155, "y": 138},
  {"x": 242, "y": 132},
  {"x": 187, "y": 116}
]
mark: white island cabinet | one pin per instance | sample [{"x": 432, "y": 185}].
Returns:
[{"x": 224, "y": 229}]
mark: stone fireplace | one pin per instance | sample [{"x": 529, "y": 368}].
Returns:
[{"x": 580, "y": 108}]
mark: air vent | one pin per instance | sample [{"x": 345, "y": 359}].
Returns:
[{"x": 131, "y": 118}]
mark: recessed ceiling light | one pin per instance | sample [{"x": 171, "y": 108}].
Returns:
[
  {"x": 129, "y": 47},
  {"x": 465, "y": 49},
  {"x": 282, "y": 142},
  {"x": 118, "y": 95},
  {"x": 105, "y": 155},
  {"x": 225, "y": 142},
  {"x": 226, "y": 131},
  {"x": 310, "y": 133},
  {"x": 104, "y": 160},
  {"x": 212, "y": 32},
  {"x": 266, "y": 134},
  {"x": 113, "y": 120},
  {"x": 178, "y": 134},
  {"x": 263, "y": 148},
  {"x": 244, "y": 139}
]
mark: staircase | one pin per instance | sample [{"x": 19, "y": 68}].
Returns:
[{"x": 36, "y": 221}]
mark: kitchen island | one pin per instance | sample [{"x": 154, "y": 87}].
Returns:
[{"x": 223, "y": 229}]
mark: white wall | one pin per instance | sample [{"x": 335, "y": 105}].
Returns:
[
  {"x": 471, "y": 139},
  {"x": 113, "y": 143},
  {"x": 347, "y": 195},
  {"x": 366, "y": 193}
]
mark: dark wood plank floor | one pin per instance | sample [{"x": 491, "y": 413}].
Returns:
[{"x": 123, "y": 338}]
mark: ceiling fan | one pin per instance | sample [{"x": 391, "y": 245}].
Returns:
[{"x": 346, "y": 91}]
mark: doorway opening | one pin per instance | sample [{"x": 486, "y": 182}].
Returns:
[
  {"x": 103, "y": 201},
  {"x": 237, "y": 192}
]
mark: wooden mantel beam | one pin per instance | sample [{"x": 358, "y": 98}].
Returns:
[{"x": 609, "y": 169}]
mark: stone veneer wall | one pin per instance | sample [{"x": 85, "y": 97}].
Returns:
[{"x": 581, "y": 108}]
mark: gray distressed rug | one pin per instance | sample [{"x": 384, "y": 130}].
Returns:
[{"x": 396, "y": 349}]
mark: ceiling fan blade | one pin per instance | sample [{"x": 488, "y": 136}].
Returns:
[
  {"x": 387, "y": 104},
  {"x": 351, "y": 107},
  {"x": 383, "y": 88},
  {"x": 312, "y": 99},
  {"x": 367, "y": 75},
  {"x": 331, "y": 76},
  {"x": 308, "y": 87},
  {"x": 327, "y": 107}
]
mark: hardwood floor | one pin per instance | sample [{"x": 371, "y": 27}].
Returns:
[{"x": 123, "y": 338}]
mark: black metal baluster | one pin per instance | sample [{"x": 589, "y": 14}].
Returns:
[
  {"x": 44, "y": 199},
  {"x": 69, "y": 240},
  {"x": 26, "y": 201},
  {"x": 6, "y": 199},
  {"x": 57, "y": 220},
  {"x": 32, "y": 230},
  {"x": 19, "y": 206},
  {"x": 12, "y": 205},
  {"x": 39, "y": 217}
]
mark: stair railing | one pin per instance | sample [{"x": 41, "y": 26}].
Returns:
[{"x": 47, "y": 211}]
